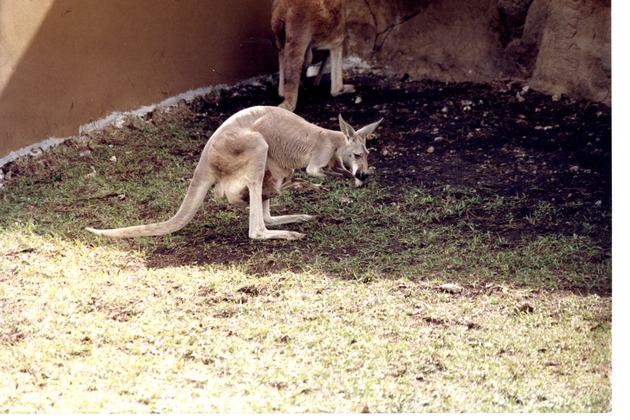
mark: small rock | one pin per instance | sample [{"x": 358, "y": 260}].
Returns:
[
  {"x": 431, "y": 149},
  {"x": 526, "y": 307},
  {"x": 119, "y": 122},
  {"x": 36, "y": 151},
  {"x": 451, "y": 288}
]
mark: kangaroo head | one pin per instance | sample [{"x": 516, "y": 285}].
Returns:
[{"x": 354, "y": 154}]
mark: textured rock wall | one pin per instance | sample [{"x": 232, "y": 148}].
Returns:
[{"x": 557, "y": 46}]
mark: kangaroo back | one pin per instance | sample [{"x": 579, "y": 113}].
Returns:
[{"x": 292, "y": 140}]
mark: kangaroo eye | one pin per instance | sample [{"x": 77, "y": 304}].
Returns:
[{"x": 358, "y": 155}]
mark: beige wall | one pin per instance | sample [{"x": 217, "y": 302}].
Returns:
[{"x": 66, "y": 63}]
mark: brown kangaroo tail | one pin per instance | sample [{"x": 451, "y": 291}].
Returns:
[{"x": 195, "y": 195}]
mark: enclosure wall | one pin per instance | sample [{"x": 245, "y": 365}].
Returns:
[{"x": 65, "y": 63}]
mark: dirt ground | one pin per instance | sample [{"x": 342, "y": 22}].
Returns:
[
  {"x": 523, "y": 164},
  {"x": 501, "y": 139}
]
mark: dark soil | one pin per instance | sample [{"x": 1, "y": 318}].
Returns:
[{"x": 501, "y": 139}]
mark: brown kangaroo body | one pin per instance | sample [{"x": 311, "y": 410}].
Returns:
[{"x": 299, "y": 27}]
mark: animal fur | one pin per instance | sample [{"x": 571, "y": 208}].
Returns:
[
  {"x": 252, "y": 156},
  {"x": 299, "y": 27}
]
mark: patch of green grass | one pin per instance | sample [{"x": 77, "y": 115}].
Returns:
[{"x": 395, "y": 301}]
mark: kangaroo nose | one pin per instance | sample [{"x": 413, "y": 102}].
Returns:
[{"x": 360, "y": 180}]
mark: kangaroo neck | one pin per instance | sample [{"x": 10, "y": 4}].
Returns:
[{"x": 325, "y": 136}]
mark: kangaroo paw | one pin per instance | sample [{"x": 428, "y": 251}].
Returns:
[
  {"x": 277, "y": 234},
  {"x": 287, "y": 105},
  {"x": 344, "y": 89}
]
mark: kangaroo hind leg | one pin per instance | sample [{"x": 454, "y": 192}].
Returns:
[
  {"x": 281, "y": 220},
  {"x": 294, "y": 55},
  {"x": 336, "y": 73},
  {"x": 254, "y": 173},
  {"x": 257, "y": 219}
]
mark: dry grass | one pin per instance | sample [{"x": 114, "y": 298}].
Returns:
[{"x": 409, "y": 315}]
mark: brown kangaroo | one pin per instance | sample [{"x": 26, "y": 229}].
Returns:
[{"x": 300, "y": 26}]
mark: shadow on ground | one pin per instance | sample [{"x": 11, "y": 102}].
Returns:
[{"x": 502, "y": 141}]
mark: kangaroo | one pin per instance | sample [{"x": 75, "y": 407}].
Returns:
[
  {"x": 251, "y": 158},
  {"x": 299, "y": 26}
]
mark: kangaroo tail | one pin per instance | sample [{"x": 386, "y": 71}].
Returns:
[{"x": 197, "y": 191}]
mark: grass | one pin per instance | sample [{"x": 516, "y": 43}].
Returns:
[{"x": 395, "y": 302}]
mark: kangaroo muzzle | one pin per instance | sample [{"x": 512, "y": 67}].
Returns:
[
  {"x": 360, "y": 174},
  {"x": 360, "y": 170}
]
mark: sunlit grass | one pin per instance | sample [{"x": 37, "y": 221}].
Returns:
[{"x": 394, "y": 302}]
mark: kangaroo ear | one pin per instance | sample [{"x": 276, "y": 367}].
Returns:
[
  {"x": 369, "y": 129},
  {"x": 345, "y": 128}
]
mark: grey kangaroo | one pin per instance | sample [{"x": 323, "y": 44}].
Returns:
[{"x": 251, "y": 157}]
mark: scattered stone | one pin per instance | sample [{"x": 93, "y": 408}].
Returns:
[
  {"x": 451, "y": 288},
  {"x": 526, "y": 308}
]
